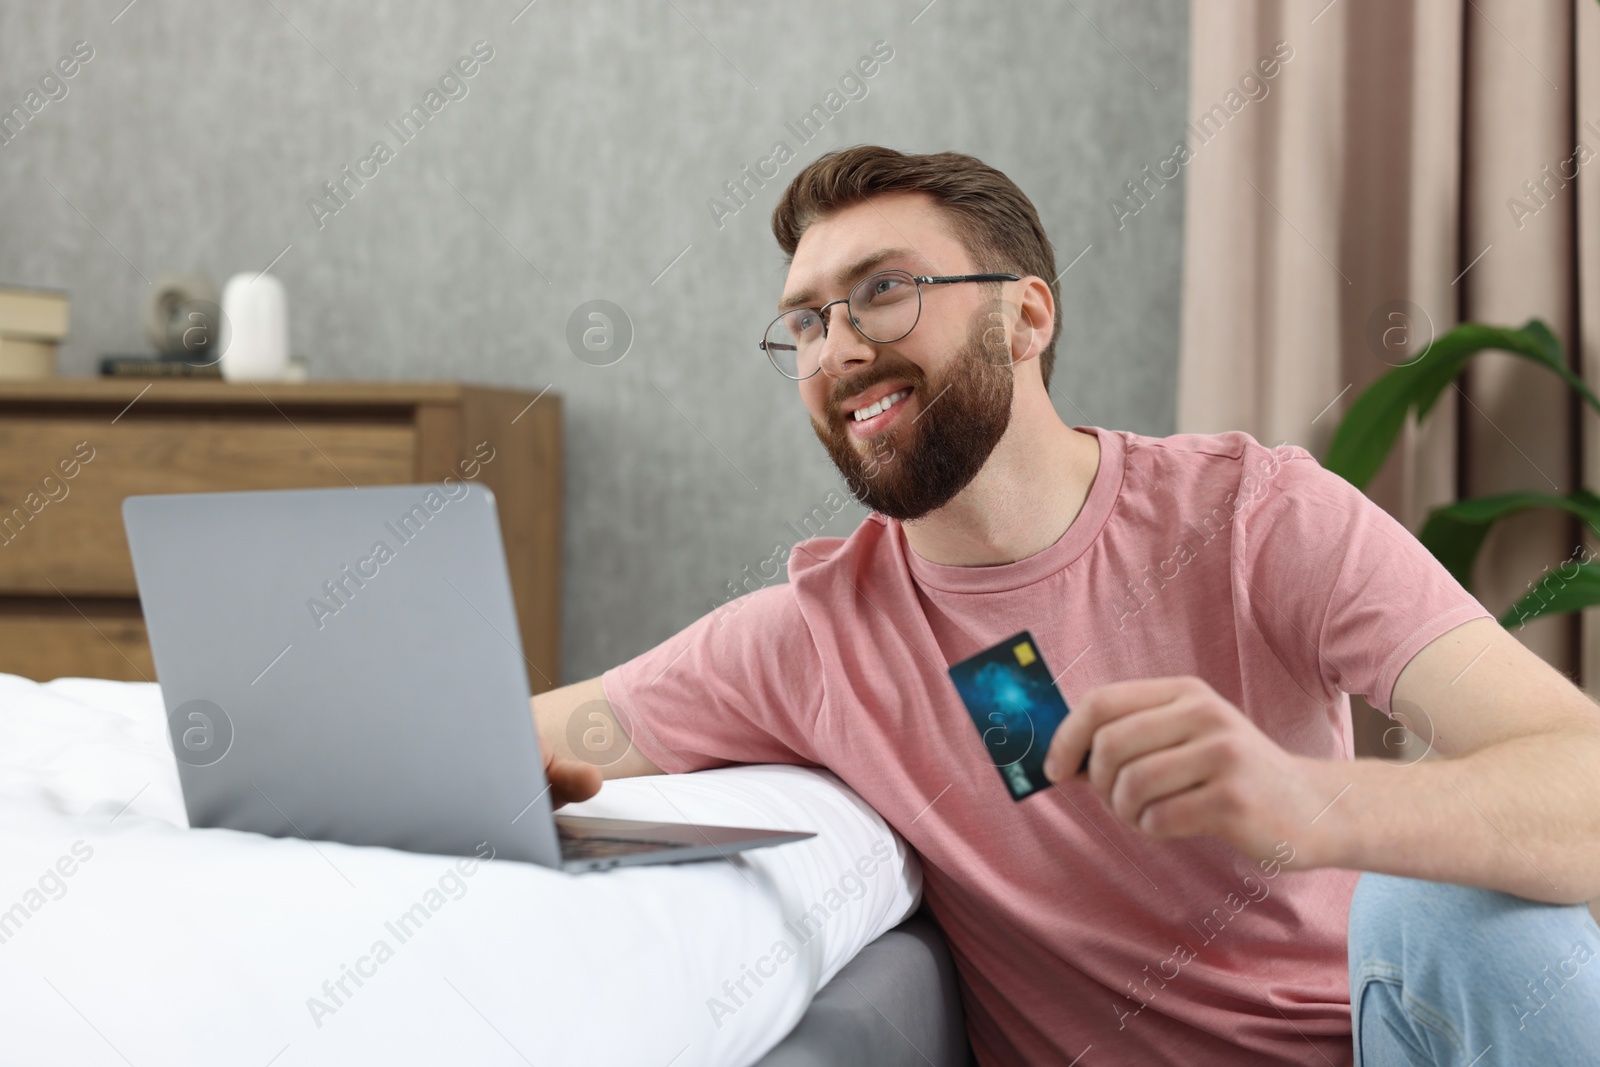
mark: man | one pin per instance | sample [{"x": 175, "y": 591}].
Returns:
[{"x": 1205, "y": 604}]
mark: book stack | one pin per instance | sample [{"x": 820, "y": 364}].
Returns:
[
  {"x": 156, "y": 367},
  {"x": 32, "y": 324}
]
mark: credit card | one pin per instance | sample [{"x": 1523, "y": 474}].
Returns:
[{"x": 1016, "y": 707}]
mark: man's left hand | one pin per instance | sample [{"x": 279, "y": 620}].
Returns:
[{"x": 1172, "y": 758}]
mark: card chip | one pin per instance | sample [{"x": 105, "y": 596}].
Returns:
[{"x": 1024, "y": 653}]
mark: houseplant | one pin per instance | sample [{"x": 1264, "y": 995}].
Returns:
[{"x": 1455, "y": 532}]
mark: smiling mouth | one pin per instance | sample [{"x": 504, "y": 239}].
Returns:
[
  {"x": 862, "y": 414},
  {"x": 878, "y": 415}
]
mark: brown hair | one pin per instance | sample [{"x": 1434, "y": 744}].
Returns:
[{"x": 989, "y": 215}]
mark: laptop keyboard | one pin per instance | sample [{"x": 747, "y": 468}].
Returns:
[{"x": 585, "y": 847}]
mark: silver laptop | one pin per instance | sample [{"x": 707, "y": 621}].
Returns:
[{"x": 345, "y": 665}]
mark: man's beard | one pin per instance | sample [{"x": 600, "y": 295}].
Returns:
[{"x": 916, "y": 467}]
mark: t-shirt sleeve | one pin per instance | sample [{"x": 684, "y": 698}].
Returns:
[
  {"x": 741, "y": 684},
  {"x": 1342, "y": 593}
]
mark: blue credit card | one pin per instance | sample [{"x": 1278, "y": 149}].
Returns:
[{"x": 1016, "y": 707}]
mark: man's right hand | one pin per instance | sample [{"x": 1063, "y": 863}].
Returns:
[
  {"x": 583, "y": 742},
  {"x": 570, "y": 780}
]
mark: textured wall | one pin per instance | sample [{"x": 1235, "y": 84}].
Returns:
[{"x": 579, "y": 165}]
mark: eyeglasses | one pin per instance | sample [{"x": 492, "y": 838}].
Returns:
[{"x": 883, "y": 307}]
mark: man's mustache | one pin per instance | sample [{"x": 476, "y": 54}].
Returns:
[{"x": 845, "y": 389}]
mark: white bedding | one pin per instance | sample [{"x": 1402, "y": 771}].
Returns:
[{"x": 126, "y": 937}]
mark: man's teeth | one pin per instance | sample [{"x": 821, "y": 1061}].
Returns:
[{"x": 881, "y": 406}]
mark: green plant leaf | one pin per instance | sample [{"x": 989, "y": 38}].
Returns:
[
  {"x": 1556, "y": 594},
  {"x": 1455, "y": 533},
  {"x": 1368, "y": 431}
]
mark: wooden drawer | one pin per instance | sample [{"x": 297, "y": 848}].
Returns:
[
  {"x": 71, "y": 450},
  {"x": 75, "y": 544},
  {"x": 84, "y": 639}
]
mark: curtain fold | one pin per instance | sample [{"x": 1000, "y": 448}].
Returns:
[
  {"x": 1587, "y": 291},
  {"x": 1518, "y": 425}
]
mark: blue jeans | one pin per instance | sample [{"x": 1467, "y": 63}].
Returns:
[{"x": 1447, "y": 974}]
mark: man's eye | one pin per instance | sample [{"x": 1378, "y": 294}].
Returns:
[{"x": 888, "y": 291}]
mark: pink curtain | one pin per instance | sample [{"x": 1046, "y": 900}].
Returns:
[{"x": 1366, "y": 196}]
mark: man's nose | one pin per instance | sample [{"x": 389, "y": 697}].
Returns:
[{"x": 844, "y": 349}]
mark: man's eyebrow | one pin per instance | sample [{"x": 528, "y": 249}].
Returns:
[{"x": 808, "y": 297}]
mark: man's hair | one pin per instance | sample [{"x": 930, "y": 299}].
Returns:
[{"x": 992, "y": 218}]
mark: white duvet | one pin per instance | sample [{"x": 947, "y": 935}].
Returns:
[{"x": 127, "y": 938}]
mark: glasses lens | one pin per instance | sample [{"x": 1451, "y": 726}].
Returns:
[
  {"x": 885, "y": 306},
  {"x": 793, "y": 341}
]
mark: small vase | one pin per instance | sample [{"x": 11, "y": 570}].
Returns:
[{"x": 255, "y": 311}]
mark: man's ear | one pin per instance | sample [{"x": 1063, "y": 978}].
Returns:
[{"x": 1035, "y": 319}]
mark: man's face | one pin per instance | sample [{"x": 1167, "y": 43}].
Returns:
[{"x": 954, "y": 366}]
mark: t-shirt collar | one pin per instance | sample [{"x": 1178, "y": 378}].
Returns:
[{"x": 1068, "y": 547}]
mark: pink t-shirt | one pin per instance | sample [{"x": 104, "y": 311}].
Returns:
[{"x": 1274, "y": 580}]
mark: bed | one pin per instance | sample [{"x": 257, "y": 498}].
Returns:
[{"x": 125, "y": 936}]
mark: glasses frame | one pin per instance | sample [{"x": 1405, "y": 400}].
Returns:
[{"x": 822, "y": 312}]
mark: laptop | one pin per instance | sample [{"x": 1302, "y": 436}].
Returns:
[{"x": 345, "y": 665}]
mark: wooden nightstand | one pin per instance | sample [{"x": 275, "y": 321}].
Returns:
[{"x": 68, "y": 601}]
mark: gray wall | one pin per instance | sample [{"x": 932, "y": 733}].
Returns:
[{"x": 578, "y": 166}]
